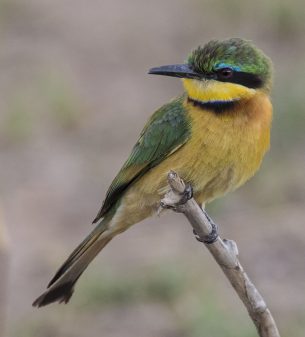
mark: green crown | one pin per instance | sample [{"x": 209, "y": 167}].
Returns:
[{"x": 237, "y": 54}]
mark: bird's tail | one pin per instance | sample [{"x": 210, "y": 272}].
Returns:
[{"x": 61, "y": 286}]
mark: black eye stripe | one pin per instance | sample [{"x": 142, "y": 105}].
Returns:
[{"x": 247, "y": 79}]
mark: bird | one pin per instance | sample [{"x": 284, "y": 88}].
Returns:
[{"x": 214, "y": 135}]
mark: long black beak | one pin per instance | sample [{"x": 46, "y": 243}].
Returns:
[{"x": 175, "y": 70}]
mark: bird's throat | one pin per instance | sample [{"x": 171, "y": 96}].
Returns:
[{"x": 211, "y": 93}]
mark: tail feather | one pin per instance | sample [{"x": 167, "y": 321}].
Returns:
[
  {"x": 61, "y": 286},
  {"x": 79, "y": 251}
]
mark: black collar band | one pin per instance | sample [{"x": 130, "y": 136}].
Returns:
[{"x": 215, "y": 106}]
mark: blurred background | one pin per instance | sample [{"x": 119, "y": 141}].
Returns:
[{"x": 74, "y": 96}]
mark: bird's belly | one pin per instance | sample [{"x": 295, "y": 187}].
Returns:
[
  {"x": 211, "y": 176},
  {"x": 215, "y": 161}
]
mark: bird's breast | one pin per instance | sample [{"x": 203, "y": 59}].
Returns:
[{"x": 224, "y": 151}]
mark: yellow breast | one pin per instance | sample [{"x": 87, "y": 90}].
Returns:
[
  {"x": 227, "y": 149},
  {"x": 223, "y": 152}
]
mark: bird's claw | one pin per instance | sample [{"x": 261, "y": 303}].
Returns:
[
  {"x": 164, "y": 205},
  {"x": 211, "y": 237},
  {"x": 186, "y": 195}
]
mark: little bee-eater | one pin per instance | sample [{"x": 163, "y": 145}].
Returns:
[{"x": 214, "y": 136}]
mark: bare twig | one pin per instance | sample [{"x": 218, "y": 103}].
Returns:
[{"x": 225, "y": 253}]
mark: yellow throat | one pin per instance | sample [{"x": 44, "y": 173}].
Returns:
[{"x": 211, "y": 90}]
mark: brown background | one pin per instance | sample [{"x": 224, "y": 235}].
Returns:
[{"x": 74, "y": 96}]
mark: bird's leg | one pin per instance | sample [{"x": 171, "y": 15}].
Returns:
[{"x": 212, "y": 236}]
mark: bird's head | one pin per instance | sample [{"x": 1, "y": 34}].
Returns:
[{"x": 227, "y": 70}]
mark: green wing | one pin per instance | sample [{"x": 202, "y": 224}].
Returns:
[{"x": 166, "y": 131}]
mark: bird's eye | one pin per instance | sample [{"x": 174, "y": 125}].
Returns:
[{"x": 225, "y": 73}]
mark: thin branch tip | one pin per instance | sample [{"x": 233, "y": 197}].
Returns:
[{"x": 225, "y": 253}]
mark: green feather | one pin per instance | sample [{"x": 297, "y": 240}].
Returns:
[
  {"x": 166, "y": 131},
  {"x": 238, "y": 53}
]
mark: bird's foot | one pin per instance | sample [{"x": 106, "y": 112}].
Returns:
[
  {"x": 186, "y": 195},
  {"x": 212, "y": 236}
]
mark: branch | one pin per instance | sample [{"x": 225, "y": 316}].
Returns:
[{"x": 225, "y": 252}]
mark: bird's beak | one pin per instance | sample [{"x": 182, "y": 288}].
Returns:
[{"x": 175, "y": 70}]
